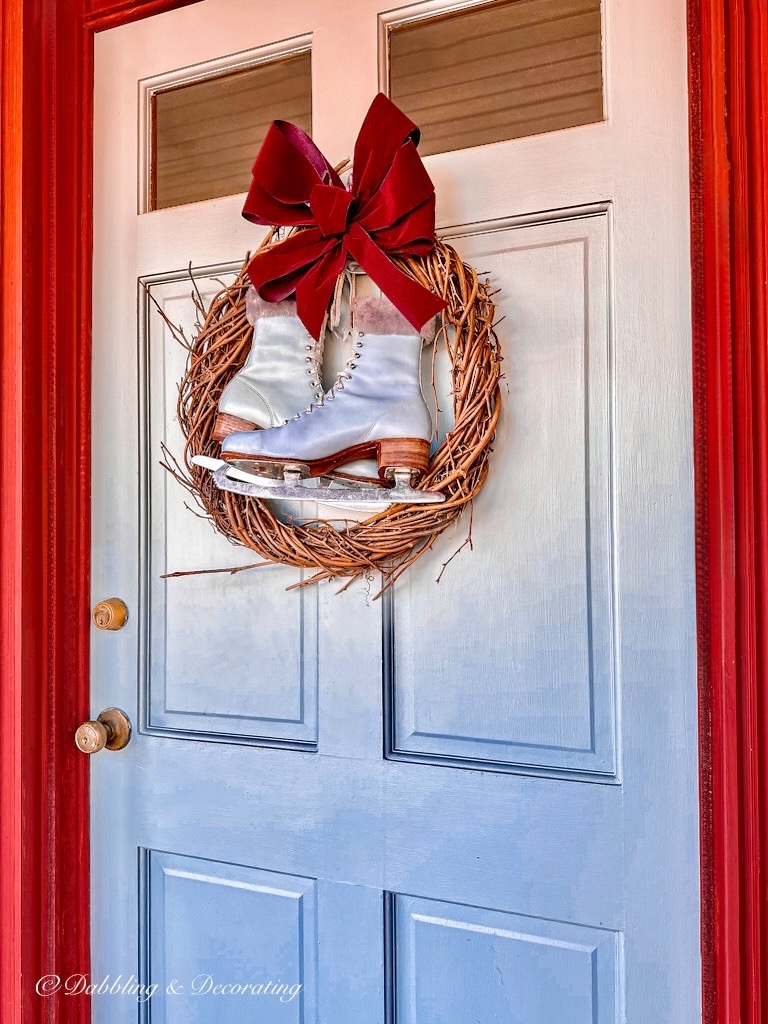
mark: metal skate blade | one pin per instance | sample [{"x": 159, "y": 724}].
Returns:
[
  {"x": 232, "y": 471},
  {"x": 258, "y": 487},
  {"x": 207, "y": 462},
  {"x": 364, "y": 498},
  {"x": 260, "y": 470}
]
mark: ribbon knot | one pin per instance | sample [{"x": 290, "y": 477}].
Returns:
[
  {"x": 330, "y": 206},
  {"x": 388, "y": 210}
]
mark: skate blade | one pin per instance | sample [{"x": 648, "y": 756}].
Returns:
[
  {"x": 343, "y": 495},
  {"x": 215, "y": 464},
  {"x": 360, "y": 499},
  {"x": 323, "y": 490}
]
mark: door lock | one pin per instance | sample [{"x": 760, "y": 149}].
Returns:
[
  {"x": 111, "y": 613},
  {"x": 112, "y": 729}
]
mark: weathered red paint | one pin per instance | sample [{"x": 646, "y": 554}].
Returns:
[
  {"x": 43, "y": 511},
  {"x": 45, "y": 272},
  {"x": 729, "y": 114},
  {"x": 101, "y": 14}
]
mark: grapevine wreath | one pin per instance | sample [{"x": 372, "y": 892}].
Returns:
[{"x": 391, "y": 540}]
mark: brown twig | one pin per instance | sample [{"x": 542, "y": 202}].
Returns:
[{"x": 390, "y": 541}]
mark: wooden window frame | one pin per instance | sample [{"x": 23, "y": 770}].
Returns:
[{"x": 46, "y": 86}]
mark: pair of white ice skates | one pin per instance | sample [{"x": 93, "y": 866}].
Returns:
[{"x": 365, "y": 441}]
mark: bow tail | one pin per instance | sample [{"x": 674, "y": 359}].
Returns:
[
  {"x": 315, "y": 290},
  {"x": 417, "y": 303}
]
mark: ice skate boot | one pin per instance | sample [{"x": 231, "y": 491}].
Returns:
[
  {"x": 375, "y": 409},
  {"x": 281, "y": 375}
]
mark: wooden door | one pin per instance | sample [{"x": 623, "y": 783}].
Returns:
[{"x": 474, "y": 800}]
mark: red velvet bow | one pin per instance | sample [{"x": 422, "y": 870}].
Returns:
[{"x": 389, "y": 210}]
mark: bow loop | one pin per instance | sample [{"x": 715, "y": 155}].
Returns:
[{"x": 388, "y": 211}]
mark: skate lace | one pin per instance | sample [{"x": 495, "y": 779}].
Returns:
[
  {"x": 314, "y": 358},
  {"x": 345, "y": 374}
]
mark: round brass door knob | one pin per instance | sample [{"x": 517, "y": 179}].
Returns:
[
  {"x": 110, "y": 614},
  {"x": 112, "y": 729}
]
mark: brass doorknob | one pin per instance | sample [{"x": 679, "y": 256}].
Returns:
[
  {"x": 110, "y": 614},
  {"x": 112, "y": 729}
]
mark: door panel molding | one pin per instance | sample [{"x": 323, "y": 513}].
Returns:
[
  {"x": 561, "y": 352},
  {"x": 465, "y": 944},
  {"x": 46, "y": 220},
  {"x": 245, "y": 60},
  {"x": 281, "y": 706}
]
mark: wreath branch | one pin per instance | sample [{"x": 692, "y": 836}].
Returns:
[{"x": 389, "y": 542}]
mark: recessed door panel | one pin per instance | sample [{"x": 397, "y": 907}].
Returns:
[
  {"x": 455, "y": 961},
  {"x": 244, "y": 667},
  {"x": 490, "y": 690},
  {"x": 226, "y": 937}
]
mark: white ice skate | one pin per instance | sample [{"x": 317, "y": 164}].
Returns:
[
  {"x": 281, "y": 375},
  {"x": 375, "y": 409}
]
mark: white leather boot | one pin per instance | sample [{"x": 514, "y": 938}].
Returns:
[
  {"x": 375, "y": 409},
  {"x": 281, "y": 375}
]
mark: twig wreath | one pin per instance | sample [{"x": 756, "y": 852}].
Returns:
[{"x": 389, "y": 541}]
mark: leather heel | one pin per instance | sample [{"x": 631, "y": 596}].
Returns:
[
  {"x": 403, "y": 453},
  {"x": 226, "y": 425}
]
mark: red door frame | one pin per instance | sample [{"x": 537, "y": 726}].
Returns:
[{"x": 46, "y": 79}]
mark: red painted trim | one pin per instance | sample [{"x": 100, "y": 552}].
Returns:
[
  {"x": 11, "y": 171},
  {"x": 43, "y": 511},
  {"x": 729, "y": 114},
  {"x": 46, "y": 80},
  {"x": 103, "y": 14},
  {"x": 45, "y": 221}
]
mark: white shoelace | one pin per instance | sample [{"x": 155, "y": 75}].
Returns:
[{"x": 338, "y": 385}]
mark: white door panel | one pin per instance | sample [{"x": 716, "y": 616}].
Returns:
[{"x": 473, "y": 797}]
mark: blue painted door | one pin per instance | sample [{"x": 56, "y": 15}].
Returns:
[{"x": 473, "y": 801}]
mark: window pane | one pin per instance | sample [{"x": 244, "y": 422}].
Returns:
[
  {"x": 501, "y": 71},
  {"x": 206, "y": 134}
]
